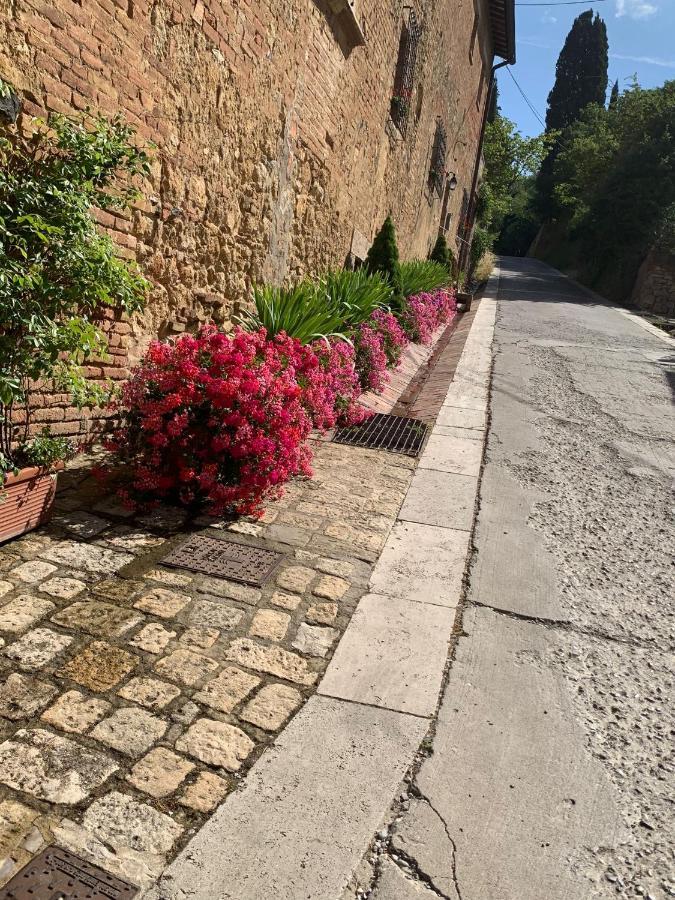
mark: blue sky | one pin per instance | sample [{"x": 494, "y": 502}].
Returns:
[{"x": 641, "y": 41}]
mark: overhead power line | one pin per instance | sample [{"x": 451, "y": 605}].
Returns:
[{"x": 525, "y": 98}]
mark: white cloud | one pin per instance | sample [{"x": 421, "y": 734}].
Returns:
[
  {"x": 548, "y": 18},
  {"x": 635, "y": 9},
  {"x": 649, "y": 60}
]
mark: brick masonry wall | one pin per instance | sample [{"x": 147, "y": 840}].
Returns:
[
  {"x": 273, "y": 138},
  {"x": 655, "y": 285}
]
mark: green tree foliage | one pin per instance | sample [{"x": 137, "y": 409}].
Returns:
[
  {"x": 580, "y": 79},
  {"x": 383, "y": 256},
  {"x": 57, "y": 270},
  {"x": 510, "y": 163},
  {"x": 615, "y": 184},
  {"x": 443, "y": 255},
  {"x": 614, "y": 96}
]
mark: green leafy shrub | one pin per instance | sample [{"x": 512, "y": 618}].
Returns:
[
  {"x": 422, "y": 275},
  {"x": 356, "y": 294},
  {"x": 481, "y": 244},
  {"x": 443, "y": 255},
  {"x": 330, "y": 306},
  {"x": 383, "y": 256},
  {"x": 57, "y": 270},
  {"x": 302, "y": 311}
]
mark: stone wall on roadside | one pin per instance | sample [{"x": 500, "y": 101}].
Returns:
[
  {"x": 274, "y": 149},
  {"x": 655, "y": 285}
]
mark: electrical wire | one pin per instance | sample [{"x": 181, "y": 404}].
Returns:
[{"x": 525, "y": 98}]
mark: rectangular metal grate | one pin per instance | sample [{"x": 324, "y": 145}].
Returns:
[
  {"x": 224, "y": 559},
  {"x": 385, "y": 432},
  {"x": 57, "y": 874}
]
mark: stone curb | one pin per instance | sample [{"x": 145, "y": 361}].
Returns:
[{"x": 307, "y": 811}]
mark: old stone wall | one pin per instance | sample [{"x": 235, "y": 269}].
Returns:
[
  {"x": 655, "y": 285},
  {"x": 272, "y": 130}
]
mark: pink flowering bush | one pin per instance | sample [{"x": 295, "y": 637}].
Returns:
[
  {"x": 332, "y": 389},
  {"x": 425, "y": 312},
  {"x": 221, "y": 421},
  {"x": 395, "y": 339},
  {"x": 378, "y": 345}
]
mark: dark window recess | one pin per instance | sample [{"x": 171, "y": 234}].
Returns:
[
  {"x": 385, "y": 432},
  {"x": 402, "y": 97},
  {"x": 439, "y": 151}
]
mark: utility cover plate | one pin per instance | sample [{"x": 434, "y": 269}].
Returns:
[
  {"x": 224, "y": 559},
  {"x": 385, "y": 432},
  {"x": 57, "y": 874}
]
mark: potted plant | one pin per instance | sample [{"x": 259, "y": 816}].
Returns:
[{"x": 58, "y": 272}]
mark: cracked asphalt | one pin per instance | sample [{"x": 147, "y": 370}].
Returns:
[{"x": 549, "y": 776}]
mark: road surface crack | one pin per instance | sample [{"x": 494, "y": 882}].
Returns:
[
  {"x": 450, "y": 838},
  {"x": 566, "y": 625}
]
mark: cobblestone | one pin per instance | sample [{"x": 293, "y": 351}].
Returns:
[
  {"x": 295, "y": 578},
  {"x": 24, "y": 611},
  {"x": 227, "y": 690},
  {"x": 186, "y": 667},
  {"x": 63, "y": 588},
  {"x": 267, "y": 623},
  {"x": 160, "y": 773},
  {"x": 53, "y": 768},
  {"x": 216, "y": 743},
  {"x": 33, "y": 571},
  {"x": 22, "y": 696},
  {"x": 272, "y": 706},
  {"x": 89, "y": 557},
  {"x": 271, "y": 660},
  {"x": 75, "y": 713},
  {"x": 322, "y": 613},
  {"x": 153, "y": 638},
  {"x": 331, "y": 588},
  {"x": 162, "y": 602},
  {"x": 314, "y": 640},
  {"x": 170, "y": 678},
  {"x": 97, "y": 618},
  {"x": 130, "y": 730},
  {"x": 149, "y": 692},
  {"x": 37, "y": 648},
  {"x": 100, "y": 666},
  {"x": 206, "y": 792}
]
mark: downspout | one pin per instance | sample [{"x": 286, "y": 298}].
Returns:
[{"x": 471, "y": 210}]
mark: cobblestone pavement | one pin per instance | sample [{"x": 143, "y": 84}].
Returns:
[{"x": 133, "y": 696}]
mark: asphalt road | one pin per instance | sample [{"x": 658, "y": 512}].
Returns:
[{"x": 552, "y": 763}]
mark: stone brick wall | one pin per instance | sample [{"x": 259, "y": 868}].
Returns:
[
  {"x": 273, "y": 137},
  {"x": 655, "y": 285}
]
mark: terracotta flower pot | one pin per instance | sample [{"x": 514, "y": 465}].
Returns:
[{"x": 26, "y": 500}]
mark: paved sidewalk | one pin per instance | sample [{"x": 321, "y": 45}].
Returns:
[
  {"x": 301, "y": 822},
  {"x": 550, "y": 770},
  {"x": 133, "y": 697}
]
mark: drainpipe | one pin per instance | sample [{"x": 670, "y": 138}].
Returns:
[{"x": 471, "y": 209}]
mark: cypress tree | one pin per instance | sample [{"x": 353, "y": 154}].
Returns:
[
  {"x": 442, "y": 254},
  {"x": 580, "y": 79},
  {"x": 383, "y": 256},
  {"x": 614, "y": 96}
]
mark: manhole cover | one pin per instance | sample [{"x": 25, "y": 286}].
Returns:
[
  {"x": 225, "y": 559},
  {"x": 385, "y": 432},
  {"x": 57, "y": 874}
]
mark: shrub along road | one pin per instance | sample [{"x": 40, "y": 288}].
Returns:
[{"x": 548, "y": 776}]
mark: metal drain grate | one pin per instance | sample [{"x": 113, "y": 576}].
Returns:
[
  {"x": 385, "y": 432},
  {"x": 56, "y": 874},
  {"x": 224, "y": 559}
]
